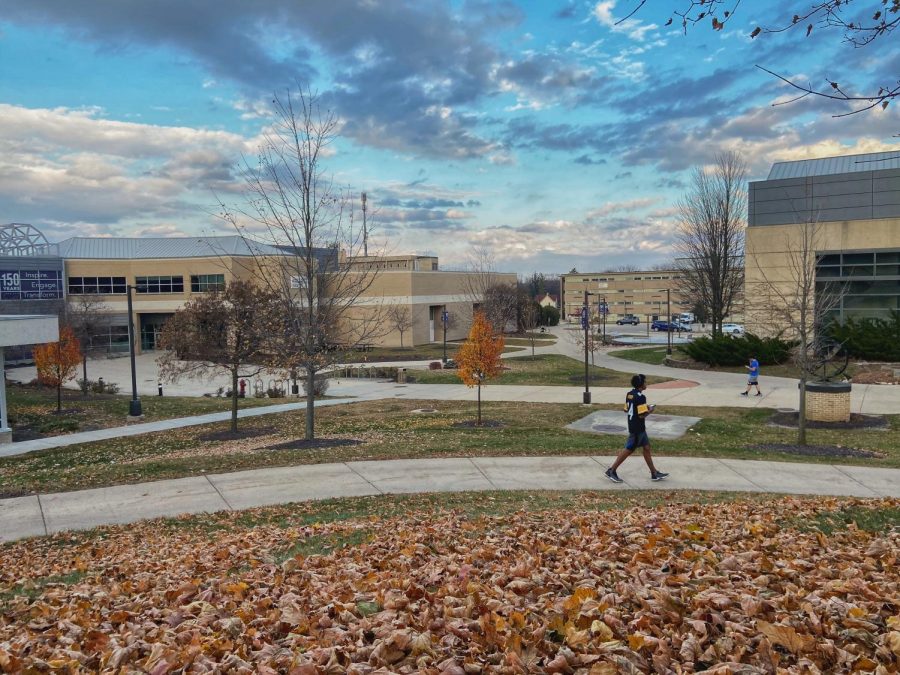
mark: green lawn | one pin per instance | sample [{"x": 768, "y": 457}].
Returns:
[
  {"x": 32, "y": 410},
  {"x": 543, "y": 369},
  {"x": 428, "y": 352},
  {"x": 388, "y": 429}
]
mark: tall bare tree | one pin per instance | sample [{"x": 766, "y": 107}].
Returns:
[
  {"x": 399, "y": 318},
  {"x": 86, "y": 316},
  {"x": 221, "y": 331},
  {"x": 710, "y": 245},
  {"x": 293, "y": 203},
  {"x": 791, "y": 300}
]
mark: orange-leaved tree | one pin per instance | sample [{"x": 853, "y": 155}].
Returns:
[
  {"x": 57, "y": 362},
  {"x": 479, "y": 356}
]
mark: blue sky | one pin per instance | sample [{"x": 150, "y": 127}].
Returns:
[{"x": 542, "y": 130}]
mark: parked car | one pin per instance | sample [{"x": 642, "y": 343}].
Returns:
[
  {"x": 628, "y": 318},
  {"x": 732, "y": 329},
  {"x": 675, "y": 326}
]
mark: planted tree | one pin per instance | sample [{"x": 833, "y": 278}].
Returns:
[
  {"x": 293, "y": 205},
  {"x": 479, "y": 356},
  {"x": 531, "y": 319},
  {"x": 86, "y": 316},
  {"x": 710, "y": 241},
  {"x": 57, "y": 362},
  {"x": 221, "y": 331},
  {"x": 400, "y": 319}
]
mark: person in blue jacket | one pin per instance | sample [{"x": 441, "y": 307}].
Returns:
[{"x": 752, "y": 377}]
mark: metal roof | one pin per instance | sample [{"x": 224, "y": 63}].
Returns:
[
  {"x": 804, "y": 168},
  {"x": 116, "y": 248}
]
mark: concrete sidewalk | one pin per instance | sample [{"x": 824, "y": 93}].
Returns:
[{"x": 39, "y": 515}]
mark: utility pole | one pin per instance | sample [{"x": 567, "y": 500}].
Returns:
[
  {"x": 365, "y": 231},
  {"x": 134, "y": 407},
  {"x": 445, "y": 318},
  {"x": 586, "y": 325},
  {"x": 669, "y": 332}
]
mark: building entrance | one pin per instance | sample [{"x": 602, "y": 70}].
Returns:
[{"x": 151, "y": 327}]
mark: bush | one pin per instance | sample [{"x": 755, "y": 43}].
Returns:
[
  {"x": 319, "y": 386},
  {"x": 97, "y": 386},
  {"x": 723, "y": 350},
  {"x": 549, "y": 316},
  {"x": 875, "y": 339},
  {"x": 275, "y": 392}
]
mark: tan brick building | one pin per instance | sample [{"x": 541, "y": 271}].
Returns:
[
  {"x": 166, "y": 272},
  {"x": 640, "y": 293},
  {"x": 854, "y": 203}
]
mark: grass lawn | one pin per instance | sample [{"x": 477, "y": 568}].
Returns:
[
  {"x": 32, "y": 410},
  {"x": 543, "y": 369},
  {"x": 656, "y": 355},
  {"x": 560, "y": 581},
  {"x": 433, "y": 351},
  {"x": 387, "y": 429}
]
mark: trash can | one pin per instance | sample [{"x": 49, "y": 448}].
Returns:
[{"x": 401, "y": 375}]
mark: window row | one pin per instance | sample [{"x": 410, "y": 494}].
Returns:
[{"x": 200, "y": 283}]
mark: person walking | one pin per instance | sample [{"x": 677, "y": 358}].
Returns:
[
  {"x": 752, "y": 376},
  {"x": 637, "y": 409}
]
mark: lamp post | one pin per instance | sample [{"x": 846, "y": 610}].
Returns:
[
  {"x": 669, "y": 332},
  {"x": 586, "y": 325},
  {"x": 134, "y": 407},
  {"x": 604, "y": 310},
  {"x": 445, "y": 318}
]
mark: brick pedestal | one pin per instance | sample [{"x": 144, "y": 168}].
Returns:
[{"x": 828, "y": 401}]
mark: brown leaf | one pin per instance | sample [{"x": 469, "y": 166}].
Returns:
[{"x": 786, "y": 637}]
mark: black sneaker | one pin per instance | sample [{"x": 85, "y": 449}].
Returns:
[
  {"x": 743, "y": 393},
  {"x": 613, "y": 476},
  {"x": 658, "y": 475},
  {"x": 759, "y": 393}
]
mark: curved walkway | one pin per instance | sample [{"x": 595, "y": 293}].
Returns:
[{"x": 38, "y": 515}]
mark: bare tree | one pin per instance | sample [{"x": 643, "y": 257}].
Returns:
[
  {"x": 294, "y": 205},
  {"x": 482, "y": 273},
  {"x": 86, "y": 316},
  {"x": 710, "y": 242},
  {"x": 400, "y": 319},
  {"x": 796, "y": 304},
  {"x": 500, "y": 304},
  {"x": 221, "y": 331},
  {"x": 860, "y": 23},
  {"x": 530, "y": 320}
]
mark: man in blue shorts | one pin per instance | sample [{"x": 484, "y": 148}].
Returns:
[
  {"x": 752, "y": 376},
  {"x": 637, "y": 410}
]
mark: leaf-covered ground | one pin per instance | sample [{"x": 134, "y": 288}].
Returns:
[{"x": 748, "y": 586}]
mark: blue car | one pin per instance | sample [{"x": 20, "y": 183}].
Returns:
[{"x": 666, "y": 326}]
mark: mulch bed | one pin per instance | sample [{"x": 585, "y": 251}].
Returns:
[
  {"x": 250, "y": 432},
  {"x": 816, "y": 450},
  {"x": 485, "y": 424},
  {"x": 303, "y": 444},
  {"x": 857, "y": 421}
]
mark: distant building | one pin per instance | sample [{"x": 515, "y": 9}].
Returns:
[
  {"x": 166, "y": 272},
  {"x": 642, "y": 293},
  {"x": 855, "y": 199},
  {"x": 548, "y": 300}
]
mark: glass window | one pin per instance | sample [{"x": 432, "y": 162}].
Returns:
[
  {"x": 887, "y": 257},
  {"x": 204, "y": 283},
  {"x": 97, "y": 286},
  {"x": 858, "y": 270},
  {"x": 887, "y": 270},
  {"x": 156, "y": 285},
  {"x": 859, "y": 258},
  {"x": 830, "y": 259}
]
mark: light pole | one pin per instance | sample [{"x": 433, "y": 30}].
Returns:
[
  {"x": 445, "y": 318},
  {"x": 586, "y": 325},
  {"x": 604, "y": 310},
  {"x": 669, "y": 332},
  {"x": 134, "y": 407}
]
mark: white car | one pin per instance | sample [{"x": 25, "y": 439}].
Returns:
[{"x": 732, "y": 329}]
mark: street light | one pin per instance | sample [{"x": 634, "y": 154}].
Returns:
[
  {"x": 669, "y": 332},
  {"x": 604, "y": 310},
  {"x": 134, "y": 407},
  {"x": 445, "y": 318},
  {"x": 586, "y": 325}
]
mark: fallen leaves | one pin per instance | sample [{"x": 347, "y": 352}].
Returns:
[{"x": 725, "y": 589}]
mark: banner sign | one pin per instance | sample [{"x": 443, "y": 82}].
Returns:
[{"x": 31, "y": 285}]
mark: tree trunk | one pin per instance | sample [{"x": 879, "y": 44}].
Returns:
[
  {"x": 84, "y": 387},
  {"x": 478, "y": 414},
  {"x": 234, "y": 400},
  {"x": 532, "y": 347},
  {"x": 59, "y": 397},
  {"x": 801, "y": 422},
  {"x": 310, "y": 402}
]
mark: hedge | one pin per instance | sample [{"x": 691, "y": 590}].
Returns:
[
  {"x": 722, "y": 350},
  {"x": 874, "y": 339}
]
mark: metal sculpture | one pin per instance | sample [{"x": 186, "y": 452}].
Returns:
[{"x": 21, "y": 240}]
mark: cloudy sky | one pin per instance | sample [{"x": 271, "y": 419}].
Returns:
[{"x": 545, "y": 130}]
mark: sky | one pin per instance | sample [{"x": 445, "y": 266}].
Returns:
[{"x": 553, "y": 133}]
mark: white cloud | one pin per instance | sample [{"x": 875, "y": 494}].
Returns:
[{"x": 634, "y": 28}]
